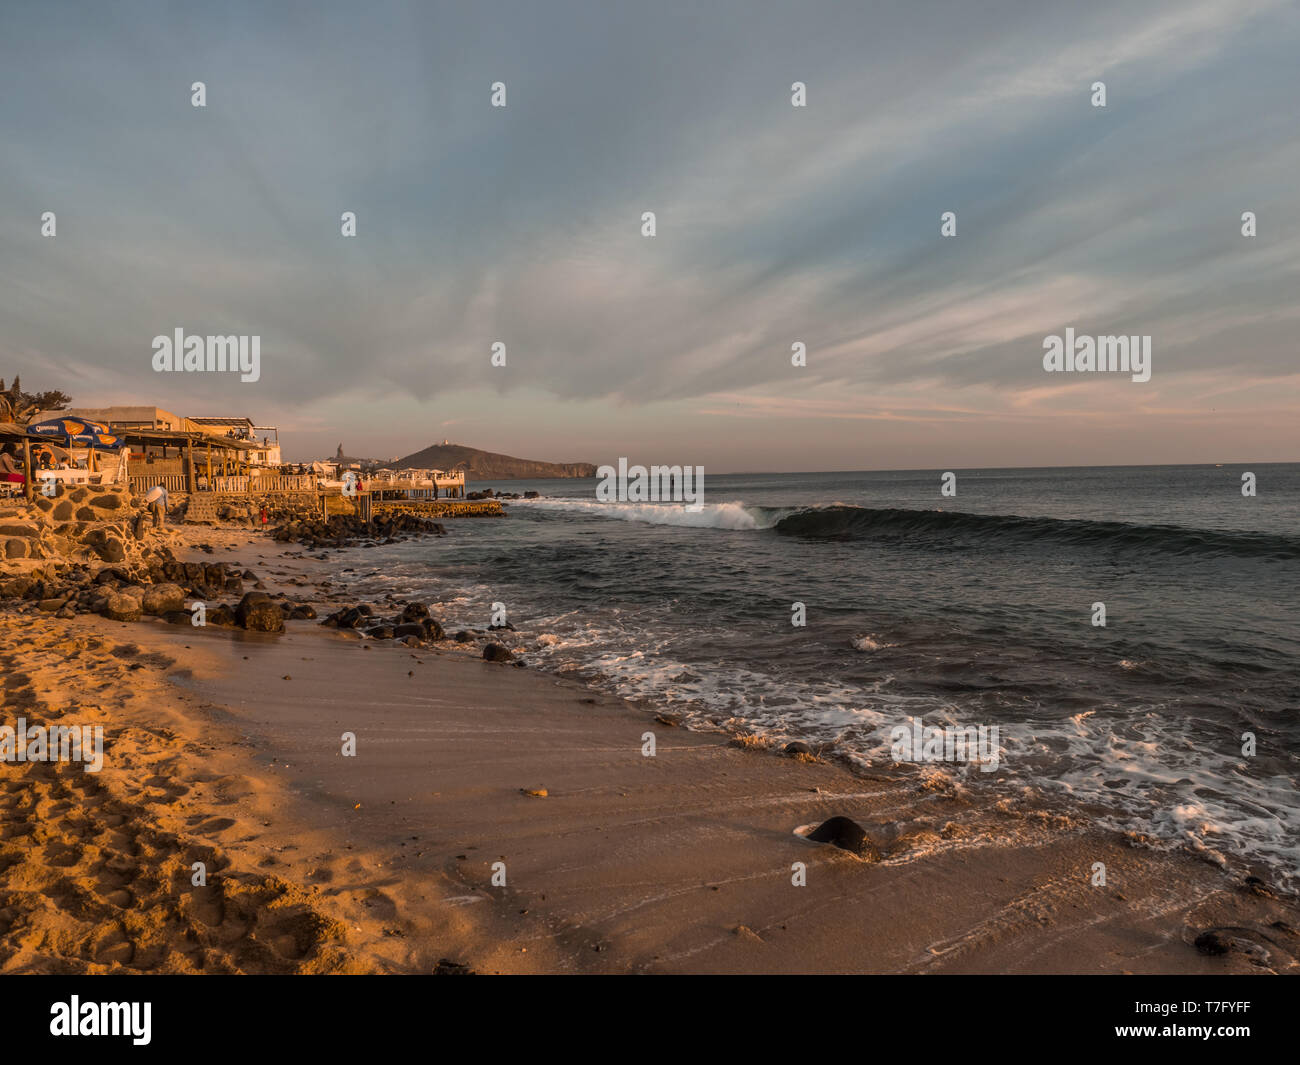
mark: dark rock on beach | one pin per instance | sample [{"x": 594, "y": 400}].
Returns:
[
  {"x": 222, "y": 616},
  {"x": 122, "y": 607},
  {"x": 161, "y": 599},
  {"x": 1249, "y": 942},
  {"x": 257, "y": 612},
  {"x": 414, "y": 612},
  {"x": 342, "y": 530},
  {"x": 412, "y": 626},
  {"x": 847, "y": 834},
  {"x": 494, "y": 652}
]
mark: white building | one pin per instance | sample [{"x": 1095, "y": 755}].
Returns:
[{"x": 264, "y": 438}]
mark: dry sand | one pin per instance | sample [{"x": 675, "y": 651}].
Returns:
[{"x": 226, "y": 747}]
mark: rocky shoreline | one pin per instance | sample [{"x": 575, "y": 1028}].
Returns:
[
  {"x": 93, "y": 551},
  {"x": 524, "y": 766},
  {"x": 99, "y": 553}
]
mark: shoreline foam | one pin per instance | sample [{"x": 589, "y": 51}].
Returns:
[{"x": 681, "y": 862}]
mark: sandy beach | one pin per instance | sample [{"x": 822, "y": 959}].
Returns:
[{"x": 503, "y": 820}]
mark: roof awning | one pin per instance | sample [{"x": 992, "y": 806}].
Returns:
[{"x": 12, "y": 431}]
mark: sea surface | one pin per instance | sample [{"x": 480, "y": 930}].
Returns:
[{"x": 971, "y": 610}]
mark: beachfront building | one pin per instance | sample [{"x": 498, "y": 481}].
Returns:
[
  {"x": 185, "y": 461},
  {"x": 119, "y": 417},
  {"x": 417, "y": 484},
  {"x": 264, "y": 439},
  {"x": 212, "y": 461}
]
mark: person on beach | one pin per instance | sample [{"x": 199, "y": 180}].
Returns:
[
  {"x": 157, "y": 500},
  {"x": 9, "y": 468}
]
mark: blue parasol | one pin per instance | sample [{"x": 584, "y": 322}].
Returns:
[{"x": 77, "y": 432}]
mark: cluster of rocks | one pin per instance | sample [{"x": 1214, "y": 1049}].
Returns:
[
  {"x": 255, "y": 612},
  {"x": 487, "y": 493},
  {"x": 161, "y": 587},
  {"x": 413, "y": 626},
  {"x": 342, "y": 530}
]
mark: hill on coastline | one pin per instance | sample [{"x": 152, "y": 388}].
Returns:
[{"x": 489, "y": 466}]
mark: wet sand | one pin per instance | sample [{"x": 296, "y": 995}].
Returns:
[{"x": 230, "y": 745}]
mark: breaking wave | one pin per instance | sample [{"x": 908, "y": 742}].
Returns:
[
  {"x": 838, "y": 521},
  {"x": 860, "y": 523}
]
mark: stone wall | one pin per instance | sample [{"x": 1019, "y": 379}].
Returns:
[
  {"x": 202, "y": 508},
  {"x": 82, "y": 523}
]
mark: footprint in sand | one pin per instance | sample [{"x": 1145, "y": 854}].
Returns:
[{"x": 213, "y": 825}]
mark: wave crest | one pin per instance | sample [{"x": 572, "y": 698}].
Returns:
[{"x": 861, "y": 523}]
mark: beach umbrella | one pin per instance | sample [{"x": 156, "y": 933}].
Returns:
[
  {"x": 102, "y": 441},
  {"x": 67, "y": 427},
  {"x": 77, "y": 432}
]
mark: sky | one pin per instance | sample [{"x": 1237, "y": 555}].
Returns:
[{"x": 775, "y": 224}]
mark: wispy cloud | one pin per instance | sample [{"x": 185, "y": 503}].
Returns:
[{"x": 776, "y": 224}]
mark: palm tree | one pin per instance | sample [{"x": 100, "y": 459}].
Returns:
[{"x": 19, "y": 406}]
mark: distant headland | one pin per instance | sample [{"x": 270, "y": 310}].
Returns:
[{"x": 479, "y": 465}]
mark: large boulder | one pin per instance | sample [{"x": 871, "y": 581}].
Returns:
[
  {"x": 109, "y": 501},
  {"x": 159, "y": 599},
  {"x": 494, "y": 652},
  {"x": 122, "y": 607},
  {"x": 258, "y": 612}
]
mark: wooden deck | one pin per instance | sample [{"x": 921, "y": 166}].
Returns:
[{"x": 292, "y": 482}]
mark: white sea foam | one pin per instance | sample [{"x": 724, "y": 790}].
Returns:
[
  {"x": 1136, "y": 758},
  {"x": 870, "y": 642},
  {"x": 733, "y": 515}
]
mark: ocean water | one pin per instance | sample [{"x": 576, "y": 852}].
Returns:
[{"x": 975, "y": 610}]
